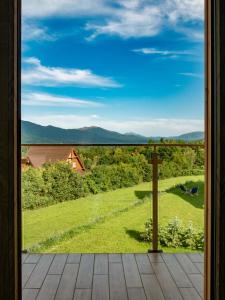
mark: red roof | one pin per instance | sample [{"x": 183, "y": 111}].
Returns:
[{"x": 38, "y": 155}]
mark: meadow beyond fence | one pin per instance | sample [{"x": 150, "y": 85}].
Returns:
[{"x": 107, "y": 207}]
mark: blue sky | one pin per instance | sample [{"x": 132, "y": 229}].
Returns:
[{"x": 125, "y": 65}]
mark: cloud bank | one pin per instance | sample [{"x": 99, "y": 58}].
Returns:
[{"x": 123, "y": 18}]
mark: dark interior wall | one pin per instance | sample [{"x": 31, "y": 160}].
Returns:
[
  {"x": 217, "y": 162},
  {"x": 220, "y": 143},
  {"x": 10, "y": 221}
]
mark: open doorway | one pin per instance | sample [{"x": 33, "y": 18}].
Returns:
[{"x": 121, "y": 54}]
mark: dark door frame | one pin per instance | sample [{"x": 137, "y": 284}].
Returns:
[
  {"x": 215, "y": 132},
  {"x": 10, "y": 207},
  {"x": 10, "y": 218}
]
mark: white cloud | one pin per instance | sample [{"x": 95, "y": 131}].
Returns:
[
  {"x": 190, "y": 33},
  {"x": 189, "y": 74},
  {"x": 142, "y": 18},
  {"x": 128, "y": 23},
  {"x": 151, "y": 127},
  {"x": 63, "y": 8},
  {"x": 169, "y": 53},
  {"x": 43, "y": 99},
  {"x": 124, "y": 18},
  {"x": 34, "y": 73},
  {"x": 184, "y": 9},
  {"x": 32, "y": 31}
]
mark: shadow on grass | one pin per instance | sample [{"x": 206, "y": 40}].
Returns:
[
  {"x": 135, "y": 234},
  {"x": 143, "y": 194},
  {"x": 196, "y": 200}
]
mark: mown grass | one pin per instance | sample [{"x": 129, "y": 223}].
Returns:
[{"x": 109, "y": 222}]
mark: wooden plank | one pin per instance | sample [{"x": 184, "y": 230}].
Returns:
[
  {"x": 143, "y": 263},
  {"x": 177, "y": 272},
  {"x": 200, "y": 267},
  {"x": 27, "y": 269},
  {"x": 101, "y": 264},
  {"x": 188, "y": 266},
  {"x": 84, "y": 279},
  {"x": 136, "y": 294},
  {"x": 38, "y": 275},
  {"x": 132, "y": 275},
  {"x": 32, "y": 258},
  {"x": 67, "y": 283},
  {"x": 115, "y": 258},
  {"x": 100, "y": 287},
  {"x": 82, "y": 294},
  {"x": 30, "y": 294},
  {"x": 189, "y": 294},
  {"x": 58, "y": 264},
  {"x": 196, "y": 257},
  {"x": 152, "y": 287},
  {"x": 166, "y": 282},
  {"x": 155, "y": 257},
  {"x": 197, "y": 281},
  {"x": 49, "y": 287},
  {"x": 73, "y": 258},
  {"x": 117, "y": 282}
]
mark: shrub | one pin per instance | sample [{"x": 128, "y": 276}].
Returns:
[
  {"x": 115, "y": 176},
  {"x": 175, "y": 235},
  {"x": 34, "y": 189},
  {"x": 78, "y": 186},
  {"x": 91, "y": 185},
  {"x": 51, "y": 184},
  {"x": 57, "y": 178},
  {"x": 147, "y": 235},
  {"x": 101, "y": 178}
]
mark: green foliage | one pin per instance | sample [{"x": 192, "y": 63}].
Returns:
[
  {"x": 34, "y": 189},
  {"x": 62, "y": 183},
  {"x": 175, "y": 235},
  {"x": 107, "y": 168},
  {"x": 58, "y": 182}
]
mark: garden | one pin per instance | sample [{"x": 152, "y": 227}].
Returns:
[{"x": 108, "y": 208}]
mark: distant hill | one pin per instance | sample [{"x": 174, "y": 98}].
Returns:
[
  {"x": 192, "y": 136},
  {"x": 33, "y": 133},
  {"x": 37, "y": 134}
]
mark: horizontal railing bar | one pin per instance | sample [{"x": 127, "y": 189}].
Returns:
[{"x": 120, "y": 145}]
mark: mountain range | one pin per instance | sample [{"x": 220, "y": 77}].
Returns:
[{"x": 38, "y": 134}]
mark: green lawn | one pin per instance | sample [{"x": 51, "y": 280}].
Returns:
[{"x": 109, "y": 222}]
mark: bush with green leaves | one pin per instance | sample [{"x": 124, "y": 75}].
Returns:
[
  {"x": 115, "y": 176},
  {"x": 34, "y": 189},
  {"x": 176, "y": 235},
  {"x": 177, "y": 161},
  {"x": 62, "y": 183},
  {"x": 51, "y": 184},
  {"x": 57, "y": 182}
]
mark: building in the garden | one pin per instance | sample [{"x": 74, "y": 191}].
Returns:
[{"x": 39, "y": 155}]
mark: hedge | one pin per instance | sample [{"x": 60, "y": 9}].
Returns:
[{"x": 106, "y": 169}]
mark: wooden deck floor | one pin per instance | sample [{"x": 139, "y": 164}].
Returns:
[{"x": 112, "y": 276}]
